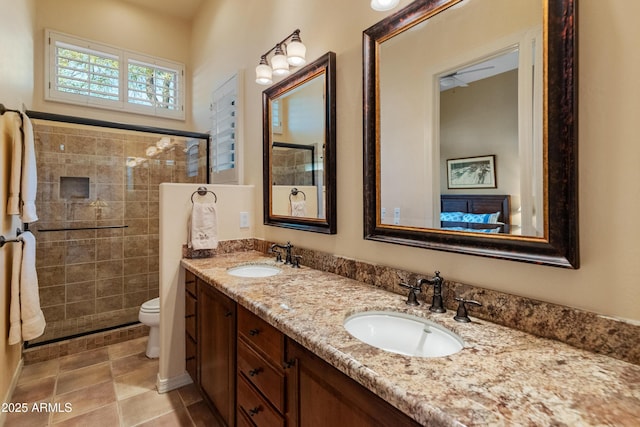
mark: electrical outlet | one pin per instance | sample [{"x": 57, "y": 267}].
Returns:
[
  {"x": 396, "y": 216},
  {"x": 383, "y": 212},
  {"x": 244, "y": 219}
]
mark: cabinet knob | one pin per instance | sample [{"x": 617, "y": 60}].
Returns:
[
  {"x": 254, "y": 332},
  {"x": 254, "y": 411},
  {"x": 228, "y": 314},
  {"x": 254, "y": 372}
]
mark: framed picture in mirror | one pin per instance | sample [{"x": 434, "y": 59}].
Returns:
[{"x": 472, "y": 172}]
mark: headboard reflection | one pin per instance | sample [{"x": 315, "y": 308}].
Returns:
[{"x": 487, "y": 213}]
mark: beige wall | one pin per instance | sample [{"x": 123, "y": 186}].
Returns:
[
  {"x": 16, "y": 76},
  {"x": 226, "y": 38},
  {"x": 116, "y": 23},
  {"x": 175, "y": 208}
]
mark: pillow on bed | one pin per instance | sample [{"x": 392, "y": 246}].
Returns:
[
  {"x": 490, "y": 218},
  {"x": 451, "y": 216},
  {"x": 475, "y": 230}
]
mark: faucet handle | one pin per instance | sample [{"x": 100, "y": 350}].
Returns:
[
  {"x": 461, "y": 314},
  {"x": 278, "y": 254},
  {"x": 296, "y": 261},
  {"x": 412, "y": 298}
]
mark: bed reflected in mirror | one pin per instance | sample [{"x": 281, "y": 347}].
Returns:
[{"x": 469, "y": 129}]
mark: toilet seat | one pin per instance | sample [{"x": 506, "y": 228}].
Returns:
[{"x": 151, "y": 306}]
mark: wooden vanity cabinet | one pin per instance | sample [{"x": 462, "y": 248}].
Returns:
[
  {"x": 321, "y": 395},
  {"x": 261, "y": 385},
  {"x": 210, "y": 338},
  {"x": 251, "y": 374},
  {"x": 190, "y": 320}
]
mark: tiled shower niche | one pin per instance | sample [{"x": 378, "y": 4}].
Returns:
[{"x": 97, "y": 236}]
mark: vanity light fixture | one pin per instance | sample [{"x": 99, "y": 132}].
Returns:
[
  {"x": 284, "y": 55},
  {"x": 279, "y": 62},
  {"x": 382, "y": 5}
]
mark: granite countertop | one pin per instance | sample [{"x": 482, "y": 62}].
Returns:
[{"x": 501, "y": 377}]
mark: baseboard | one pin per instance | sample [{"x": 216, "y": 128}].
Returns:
[
  {"x": 12, "y": 387},
  {"x": 167, "y": 384}
]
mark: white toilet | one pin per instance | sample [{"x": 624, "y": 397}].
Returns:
[{"x": 150, "y": 316}]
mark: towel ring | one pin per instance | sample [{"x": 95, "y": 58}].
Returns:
[
  {"x": 3, "y": 240},
  {"x": 295, "y": 191},
  {"x": 202, "y": 191}
]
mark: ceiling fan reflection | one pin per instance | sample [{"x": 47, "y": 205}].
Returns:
[{"x": 452, "y": 80}]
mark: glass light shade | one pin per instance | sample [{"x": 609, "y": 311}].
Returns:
[
  {"x": 279, "y": 63},
  {"x": 163, "y": 143},
  {"x": 382, "y": 5},
  {"x": 296, "y": 51},
  {"x": 263, "y": 74}
]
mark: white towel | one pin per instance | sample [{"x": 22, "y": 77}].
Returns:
[
  {"x": 12, "y": 137},
  {"x": 299, "y": 208},
  {"x": 29, "y": 180},
  {"x": 203, "y": 226},
  {"x": 15, "y": 330},
  {"x": 23, "y": 178},
  {"x": 31, "y": 322}
]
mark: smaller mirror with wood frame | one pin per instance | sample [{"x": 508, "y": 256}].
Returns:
[{"x": 299, "y": 137}]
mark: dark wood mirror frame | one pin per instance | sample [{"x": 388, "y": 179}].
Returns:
[
  {"x": 560, "y": 245},
  {"x": 325, "y": 65}
]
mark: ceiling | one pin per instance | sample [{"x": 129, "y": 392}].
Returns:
[
  {"x": 184, "y": 9},
  {"x": 481, "y": 70}
]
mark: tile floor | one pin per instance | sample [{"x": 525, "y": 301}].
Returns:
[{"x": 108, "y": 386}]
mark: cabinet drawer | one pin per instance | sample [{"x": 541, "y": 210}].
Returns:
[
  {"x": 190, "y": 306},
  {"x": 192, "y": 369},
  {"x": 267, "y": 379},
  {"x": 190, "y": 348},
  {"x": 242, "y": 419},
  {"x": 264, "y": 337},
  {"x": 255, "y": 407},
  {"x": 190, "y": 326},
  {"x": 190, "y": 282}
]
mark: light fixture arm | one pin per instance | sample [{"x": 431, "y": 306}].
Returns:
[
  {"x": 285, "y": 55},
  {"x": 295, "y": 32}
]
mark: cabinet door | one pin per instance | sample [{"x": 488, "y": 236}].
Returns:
[
  {"x": 320, "y": 395},
  {"x": 217, "y": 350}
]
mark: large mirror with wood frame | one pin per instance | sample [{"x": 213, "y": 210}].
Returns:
[
  {"x": 470, "y": 133},
  {"x": 299, "y": 137}
]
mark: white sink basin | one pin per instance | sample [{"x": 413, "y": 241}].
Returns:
[
  {"x": 403, "y": 334},
  {"x": 254, "y": 270}
]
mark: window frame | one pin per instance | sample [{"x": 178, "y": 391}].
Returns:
[{"x": 124, "y": 57}]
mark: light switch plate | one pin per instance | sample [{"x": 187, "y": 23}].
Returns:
[{"x": 244, "y": 219}]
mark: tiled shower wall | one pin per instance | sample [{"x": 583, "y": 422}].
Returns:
[
  {"x": 292, "y": 167},
  {"x": 91, "y": 177}
]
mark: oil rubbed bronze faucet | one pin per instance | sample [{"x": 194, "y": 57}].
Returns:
[
  {"x": 288, "y": 258},
  {"x": 437, "y": 305}
]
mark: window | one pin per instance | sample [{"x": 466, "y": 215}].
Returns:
[
  {"x": 225, "y": 132},
  {"x": 276, "y": 116},
  {"x": 89, "y": 73}
]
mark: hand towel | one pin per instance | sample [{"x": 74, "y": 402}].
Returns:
[
  {"x": 31, "y": 316},
  {"x": 203, "y": 227},
  {"x": 15, "y": 329},
  {"x": 17, "y": 131},
  {"x": 29, "y": 179},
  {"x": 10, "y": 136},
  {"x": 299, "y": 208}
]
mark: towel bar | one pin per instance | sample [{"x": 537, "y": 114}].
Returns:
[
  {"x": 202, "y": 191},
  {"x": 3, "y": 240},
  {"x": 102, "y": 227},
  {"x": 295, "y": 191}
]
